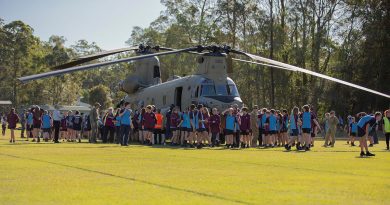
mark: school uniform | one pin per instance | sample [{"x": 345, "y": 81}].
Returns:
[
  {"x": 125, "y": 126},
  {"x": 215, "y": 128},
  {"x": 245, "y": 125},
  {"x": 363, "y": 122}
]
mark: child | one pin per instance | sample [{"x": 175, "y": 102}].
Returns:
[
  {"x": 386, "y": 127},
  {"x": 174, "y": 126},
  {"x": 229, "y": 126},
  {"x": 307, "y": 118},
  {"x": 77, "y": 122},
  {"x": 352, "y": 131},
  {"x": 158, "y": 127},
  {"x": 264, "y": 127},
  {"x": 202, "y": 119},
  {"x": 46, "y": 125},
  {"x": 271, "y": 121},
  {"x": 3, "y": 124},
  {"x": 294, "y": 129},
  {"x": 29, "y": 124},
  {"x": 69, "y": 125},
  {"x": 185, "y": 125},
  {"x": 13, "y": 119},
  {"x": 126, "y": 125},
  {"x": 215, "y": 127},
  {"x": 365, "y": 122},
  {"x": 284, "y": 127},
  {"x": 192, "y": 132},
  {"x": 117, "y": 121},
  {"x": 245, "y": 126},
  {"x": 149, "y": 120}
]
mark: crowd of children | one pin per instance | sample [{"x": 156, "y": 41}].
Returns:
[{"x": 197, "y": 127}]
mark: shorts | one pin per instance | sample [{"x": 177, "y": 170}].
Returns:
[
  {"x": 201, "y": 129},
  {"x": 29, "y": 127},
  {"x": 353, "y": 134},
  {"x": 149, "y": 129},
  {"x": 306, "y": 130},
  {"x": 244, "y": 132},
  {"x": 272, "y": 132},
  {"x": 228, "y": 132},
  {"x": 12, "y": 127},
  {"x": 37, "y": 126},
  {"x": 46, "y": 129},
  {"x": 294, "y": 132},
  {"x": 283, "y": 130},
  {"x": 361, "y": 132},
  {"x": 173, "y": 129}
]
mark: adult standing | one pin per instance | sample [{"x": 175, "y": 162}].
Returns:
[
  {"x": 94, "y": 117},
  {"x": 332, "y": 123},
  {"x": 57, "y": 117},
  {"x": 12, "y": 118}
]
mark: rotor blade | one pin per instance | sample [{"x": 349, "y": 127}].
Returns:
[
  {"x": 87, "y": 58},
  {"x": 298, "y": 69},
  {"x": 91, "y": 66},
  {"x": 265, "y": 64}
]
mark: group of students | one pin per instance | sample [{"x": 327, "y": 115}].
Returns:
[{"x": 197, "y": 127}]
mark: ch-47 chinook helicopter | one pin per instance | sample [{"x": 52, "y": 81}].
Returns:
[{"x": 209, "y": 85}]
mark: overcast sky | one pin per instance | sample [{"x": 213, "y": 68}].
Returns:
[{"x": 106, "y": 22}]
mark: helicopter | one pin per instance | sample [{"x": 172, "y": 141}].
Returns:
[{"x": 210, "y": 85}]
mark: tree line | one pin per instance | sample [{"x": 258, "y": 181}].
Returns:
[{"x": 346, "y": 39}]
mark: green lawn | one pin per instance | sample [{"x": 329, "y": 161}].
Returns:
[{"x": 72, "y": 173}]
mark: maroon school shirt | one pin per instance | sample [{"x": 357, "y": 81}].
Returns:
[
  {"x": 245, "y": 122},
  {"x": 12, "y": 118},
  {"x": 175, "y": 120},
  {"x": 109, "y": 120},
  {"x": 204, "y": 117},
  {"x": 215, "y": 123},
  {"x": 149, "y": 120}
]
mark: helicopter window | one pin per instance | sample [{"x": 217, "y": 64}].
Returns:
[
  {"x": 221, "y": 90},
  {"x": 156, "y": 71},
  {"x": 197, "y": 92},
  {"x": 207, "y": 90},
  {"x": 232, "y": 90}
]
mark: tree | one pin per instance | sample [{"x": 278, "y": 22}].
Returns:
[{"x": 100, "y": 94}]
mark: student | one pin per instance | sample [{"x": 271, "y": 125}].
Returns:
[
  {"x": 47, "y": 123},
  {"x": 314, "y": 128},
  {"x": 125, "y": 117},
  {"x": 237, "y": 133},
  {"x": 245, "y": 127},
  {"x": 37, "y": 114},
  {"x": 278, "y": 136},
  {"x": 134, "y": 121},
  {"x": 109, "y": 126},
  {"x": 363, "y": 126},
  {"x": 264, "y": 127},
  {"x": 77, "y": 122},
  {"x": 3, "y": 124},
  {"x": 352, "y": 131},
  {"x": 271, "y": 122},
  {"x": 12, "y": 119},
  {"x": 326, "y": 125},
  {"x": 215, "y": 127},
  {"x": 29, "y": 123},
  {"x": 294, "y": 129},
  {"x": 284, "y": 127},
  {"x": 185, "y": 125},
  {"x": 192, "y": 132},
  {"x": 174, "y": 126},
  {"x": 87, "y": 126},
  {"x": 333, "y": 121},
  {"x": 386, "y": 127},
  {"x": 202, "y": 119},
  {"x": 229, "y": 126},
  {"x": 254, "y": 126},
  {"x": 307, "y": 118},
  {"x": 140, "y": 122},
  {"x": 149, "y": 120},
  {"x": 63, "y": 128},
  {"x": 158, "y": 128},
  {"x": 117, "y": 121}
]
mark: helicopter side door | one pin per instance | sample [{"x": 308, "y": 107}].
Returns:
[{"x": 178, "y": 97}]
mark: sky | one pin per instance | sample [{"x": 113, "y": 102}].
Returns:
[{"x": 107, "y": 22}]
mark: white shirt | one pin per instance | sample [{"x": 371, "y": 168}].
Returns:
[{"x": 57, "y": 115}]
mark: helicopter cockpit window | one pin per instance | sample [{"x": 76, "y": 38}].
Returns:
[
  {"x": 232, "y": 90},
  {"x": 207, "y": 90},
  {"x": 221, "y": 90},
  {"x": 156, "y": 71}
]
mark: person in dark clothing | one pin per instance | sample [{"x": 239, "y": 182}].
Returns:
[{"x": 13, "y": 119}]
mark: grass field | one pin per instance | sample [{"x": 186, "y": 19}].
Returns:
[{"x": 72, "y": 173}]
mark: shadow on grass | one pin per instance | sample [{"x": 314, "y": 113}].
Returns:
[{"x": 133, "y": 179}]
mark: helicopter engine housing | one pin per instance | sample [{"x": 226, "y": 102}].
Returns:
[{"x": 130, "y": 85}]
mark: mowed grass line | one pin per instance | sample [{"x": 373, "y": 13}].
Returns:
[{"x": 83, "y": 173}]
